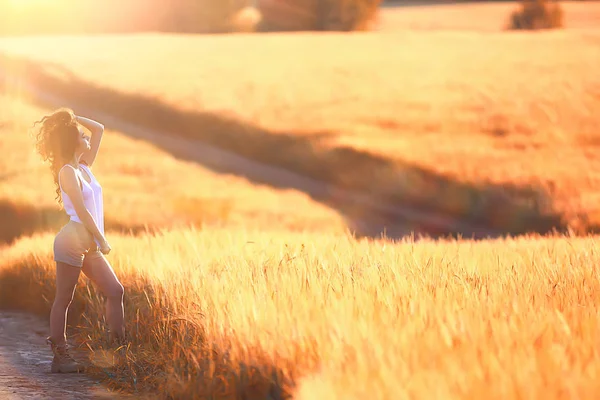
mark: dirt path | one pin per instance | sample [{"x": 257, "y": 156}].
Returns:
[
  {"x": 396, "y": 220},
  {"x": 25, "y": 365}
]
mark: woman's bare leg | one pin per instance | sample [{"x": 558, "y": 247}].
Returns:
[
  {"x": 100, "y": 272},
  {"x": 66, "y": 282}
]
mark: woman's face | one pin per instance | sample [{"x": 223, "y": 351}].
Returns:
[{"x": 83, "y": 142}]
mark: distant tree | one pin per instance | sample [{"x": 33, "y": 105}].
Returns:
[
  {"x": 537, "y": 14},
  {"x": 322, "y": 15},
  {"x": 200, "y": 15}
]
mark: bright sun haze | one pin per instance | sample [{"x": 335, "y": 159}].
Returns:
[{"x": 246, "y": 274}]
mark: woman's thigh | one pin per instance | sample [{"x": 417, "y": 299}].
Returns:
[
  {"x": 71, "y": 244},
  {"x": 98, "y": 269},
  {"x": 66, "y": 281}
]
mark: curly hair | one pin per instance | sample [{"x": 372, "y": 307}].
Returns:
[{"x": 57, "y": 140}]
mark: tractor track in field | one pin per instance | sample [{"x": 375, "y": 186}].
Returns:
[{"x": 376, "y": 217}]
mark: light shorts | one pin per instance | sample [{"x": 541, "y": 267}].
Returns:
[{"x": 74, "y": 243}]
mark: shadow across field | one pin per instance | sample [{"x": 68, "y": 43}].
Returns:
[{"x": 401, "y": 198}]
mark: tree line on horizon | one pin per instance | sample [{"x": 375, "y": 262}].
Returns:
[{"x": 202, "y": 16}]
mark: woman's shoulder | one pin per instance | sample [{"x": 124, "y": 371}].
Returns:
[
  {"x": 66, "y": 165},
  {"x": 76, "y": 172},
  {"x": 69, "y": 174}
]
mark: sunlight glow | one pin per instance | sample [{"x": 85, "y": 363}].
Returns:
[{"x": 27, "y": 3}]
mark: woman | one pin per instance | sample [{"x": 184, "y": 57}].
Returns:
[{"x": 80, "y": 245}]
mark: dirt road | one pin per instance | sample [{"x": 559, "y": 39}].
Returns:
[
  {"x": 25, "y": 365},
  {"x": 377, "y": 217}
]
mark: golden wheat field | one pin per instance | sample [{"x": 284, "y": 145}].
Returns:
[
  {"x": 240, "y": 290},
  {"x": 328, "y": 317},
  {"x": 146, "y": 187},
  {"x": 495, "y": 126}
]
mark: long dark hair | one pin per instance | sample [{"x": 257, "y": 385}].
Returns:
[{"x": 56, "y": 141}]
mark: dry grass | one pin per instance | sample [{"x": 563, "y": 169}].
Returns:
[
  {"x": 145, "y": 188},
  {"x": 469, "y": 138},
  {"x": 333, "y": 318}
]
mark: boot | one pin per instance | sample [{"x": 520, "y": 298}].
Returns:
[
  {"x": 63, "y": 362},
  {"x": 119, "y": 347},
  {"x": 116, "y": 341}
]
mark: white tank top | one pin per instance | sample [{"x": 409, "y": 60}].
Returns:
[{"x": 92, "y": 198}]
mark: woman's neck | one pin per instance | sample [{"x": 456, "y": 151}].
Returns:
[{"x": 74, "y": 161}]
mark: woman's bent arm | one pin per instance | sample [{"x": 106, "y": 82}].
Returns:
[{"x": 97, "y": 130}]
